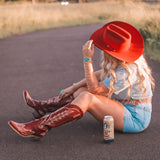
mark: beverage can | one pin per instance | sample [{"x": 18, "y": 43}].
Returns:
[{"x": 108, "y": 128}]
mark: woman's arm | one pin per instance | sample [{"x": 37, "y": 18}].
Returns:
[
  {"x": 70, "y": 90},
  {"x": 94, "y": 86},
  {"x": 83, "y": 82},
  {"x": 91, "y": 80}
]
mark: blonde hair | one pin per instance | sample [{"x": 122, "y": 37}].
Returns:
[{"x": 110, "y": 64}]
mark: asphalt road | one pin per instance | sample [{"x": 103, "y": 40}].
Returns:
[{"x": 44, "y": 62}]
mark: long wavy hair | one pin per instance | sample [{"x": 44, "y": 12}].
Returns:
[{"x": 110, "y": 64}]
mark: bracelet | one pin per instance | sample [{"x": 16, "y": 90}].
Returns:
[{"x": 86, "y": 59}]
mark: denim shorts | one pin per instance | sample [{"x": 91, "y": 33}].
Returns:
[{"x": 137, "y": 118}]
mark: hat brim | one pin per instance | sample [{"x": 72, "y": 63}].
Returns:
[{"x": 133, "y": 53}]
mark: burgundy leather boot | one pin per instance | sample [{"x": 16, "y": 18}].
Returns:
[
  {"x": 50, "y": 105},
  {"x": 38, "y": 127}
]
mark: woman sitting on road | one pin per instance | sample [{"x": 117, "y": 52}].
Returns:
[{"x": 122, "y": 88}]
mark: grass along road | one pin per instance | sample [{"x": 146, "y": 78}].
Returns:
[{"x": 22, "y": 18}]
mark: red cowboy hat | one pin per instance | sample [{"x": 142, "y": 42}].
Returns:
[{"x": 119, "y": 39}]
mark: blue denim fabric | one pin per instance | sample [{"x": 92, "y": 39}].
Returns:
[{"x": 137, "y": 118}]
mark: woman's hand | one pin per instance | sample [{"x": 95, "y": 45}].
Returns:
[
  {"x": 66, "y": 92},
  {"x": 88, "y": 49}
]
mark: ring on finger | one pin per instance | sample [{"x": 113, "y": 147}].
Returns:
[{"x": 62, "y": 91}]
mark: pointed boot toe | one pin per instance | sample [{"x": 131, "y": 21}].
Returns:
[
  {"x": 27, "y": 98},
  {"x": 18, "y": 128},
  {"x": 26, "y": 131}
]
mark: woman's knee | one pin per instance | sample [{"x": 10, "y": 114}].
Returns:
[
  {"x": 84, "y": 97},
  {"x": 83, "y": 100},
  {"x": 87, "y": 98}
]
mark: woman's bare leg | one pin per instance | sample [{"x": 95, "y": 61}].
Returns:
[{"x": 99, "y": 106}]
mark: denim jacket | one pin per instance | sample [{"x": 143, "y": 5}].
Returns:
[{"x": 122, "y": 84}]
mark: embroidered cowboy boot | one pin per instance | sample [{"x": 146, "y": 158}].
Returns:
[
  {"x": 38, "y": 127},
  {"x": 50, "y": 105}
]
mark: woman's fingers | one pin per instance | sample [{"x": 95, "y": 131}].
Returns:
[
  {"x": 90, "y": 44},
  {"x": 63, "y": 95},
  {"x": 92, "y": 48},
  {"x": 60, "y": 96},
  {"x": 88, "y": 49}
]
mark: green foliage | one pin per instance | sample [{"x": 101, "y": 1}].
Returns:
[
  {"x": 151, "y": 34},
  {"x": 151, "y": 30}
]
